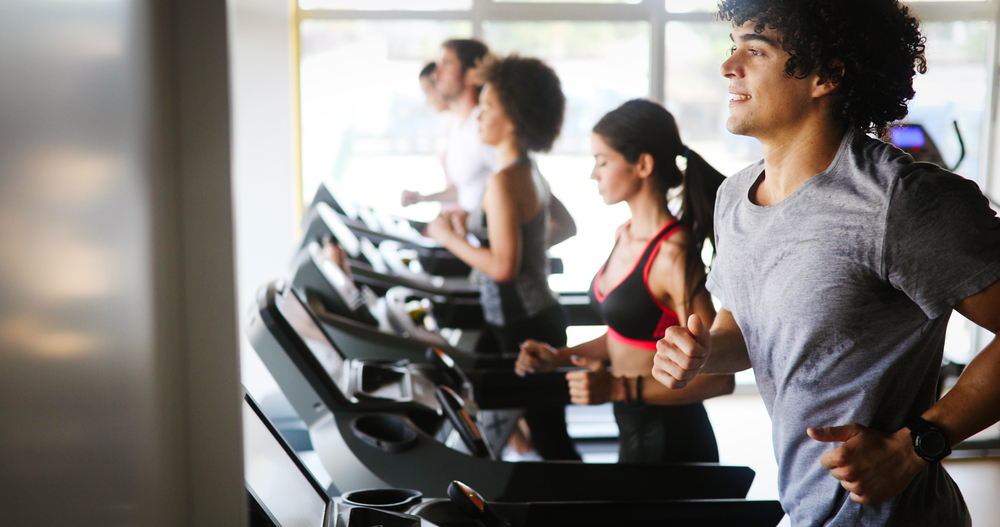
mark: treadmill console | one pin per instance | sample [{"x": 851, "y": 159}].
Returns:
[
  {"x": 321, "y": 349},
  {"x": 914, "y": 140},
  {"x": 285, "y": 492},
  {"x": 358, "y": 381},
  {"x": 340, "y": 231}
]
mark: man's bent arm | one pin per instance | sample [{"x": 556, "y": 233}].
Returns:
[
  {"x": 874, "y": 466},
  {"x": 974, "y": 402}
]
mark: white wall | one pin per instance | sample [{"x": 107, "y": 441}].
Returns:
[
  {"x": 119, "y": 389},
  {"x": 263, "y": 157}
]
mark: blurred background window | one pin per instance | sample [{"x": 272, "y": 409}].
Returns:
[
  {"x": 364, "y": 118},
  {"x": 385, "y": 5},
  {"x": 569, "y": 1},
  {"x": 955, "y": 89},
  {"x": 698, "y": 95},
  {"x": 691, "y": 6},
  {"x": 366, "y": 129}
]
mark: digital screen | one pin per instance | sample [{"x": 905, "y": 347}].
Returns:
[
  {"x": 339, "y": 229},
  {"x": 274, "y": 477},
  {"x": 328, "y": 356},
  {"x": 333, "y": 274},
  {"x": 908, "y": 137}
]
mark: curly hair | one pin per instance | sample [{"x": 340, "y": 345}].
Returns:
[
  {"x": 531, "y": 96},
  {"x": 869, "y": 49}
]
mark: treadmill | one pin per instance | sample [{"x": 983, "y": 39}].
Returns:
[
  {"x": 382, "y": 425},
  {"x": 395, "y": 238},
  {"x": 386, "y": 266},
  {"x": 402, "y": 326},
  {"x": 454, "y": 307},
  {"x": 390, "y": 264},
  {"x": 368, "y": 224},
  {"x": 282, "y": 492}
]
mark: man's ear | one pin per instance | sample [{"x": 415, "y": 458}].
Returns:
[{"x": 826, "y": 85}]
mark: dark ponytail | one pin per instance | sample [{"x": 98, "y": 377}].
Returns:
[{"x": 642, "y": 126}]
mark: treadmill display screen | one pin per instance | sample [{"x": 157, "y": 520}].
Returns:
[
  {"x": 280, "y": 485},
  {"x": 302, "y": 322},
  {"x": 340, "y": 230},
  {"x": 908, "y": 137}
]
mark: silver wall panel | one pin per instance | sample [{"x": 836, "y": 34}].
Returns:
[{"x": 100, "y": 361}]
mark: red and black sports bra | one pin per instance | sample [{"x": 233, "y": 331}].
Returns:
[{"x": 633, "y": 315}]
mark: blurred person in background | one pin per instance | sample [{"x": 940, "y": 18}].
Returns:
[
  {"x": 431, "y": 93},
  {"x": 522, "y": 107},
  {"x": 468, "y": 162}
]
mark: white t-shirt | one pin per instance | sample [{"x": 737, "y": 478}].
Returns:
[{"x": 468, "y": 161}]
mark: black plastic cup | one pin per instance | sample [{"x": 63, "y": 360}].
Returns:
[{"x": 395, "y": 500}]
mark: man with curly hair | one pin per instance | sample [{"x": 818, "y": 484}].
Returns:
[{"x": 840, "y": 261}]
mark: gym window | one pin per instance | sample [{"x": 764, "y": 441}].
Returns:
[{"x": 365, "y": 127}]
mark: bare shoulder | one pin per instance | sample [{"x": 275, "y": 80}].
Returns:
[
  {"x": 673, "y": 248},
  {"x": 622, "y": 229},
  {"x": 512, "y": 189},
  {"x": 513, "y": 177},
  {"x": 669, "y": 266},
  {"x": 668, "y": 274}
]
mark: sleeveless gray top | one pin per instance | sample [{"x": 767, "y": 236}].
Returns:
[{"x": 528, "y": 294}]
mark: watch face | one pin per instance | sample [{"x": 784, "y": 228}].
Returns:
[{"x": 931, "y": 443}]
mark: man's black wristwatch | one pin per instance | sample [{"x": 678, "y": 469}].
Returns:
[{"x": 929, "y": 441}]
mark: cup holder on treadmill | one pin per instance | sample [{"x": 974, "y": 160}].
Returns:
[
  {"x": 384, "y": 431},
  {"x": 396, "y": 500}
]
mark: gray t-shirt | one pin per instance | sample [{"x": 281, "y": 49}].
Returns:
[{"x": 843, "y": 292}]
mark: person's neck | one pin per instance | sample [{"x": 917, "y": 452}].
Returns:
[
  {"x": 649, "y": 213},
  {"x": 507, "y": 153},
  {"x": 462, "y": 107},
  {"x": 794, "y": 157}
]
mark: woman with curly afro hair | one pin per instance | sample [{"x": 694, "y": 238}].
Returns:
[
  {"x": 839, "y": 262},
  {"x": 522, "y": 112}
]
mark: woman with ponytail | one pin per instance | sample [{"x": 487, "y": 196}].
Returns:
[{"x": 653, "y": 279}]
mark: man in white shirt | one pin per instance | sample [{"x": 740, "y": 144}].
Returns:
[{"x": 468, "y": 162}]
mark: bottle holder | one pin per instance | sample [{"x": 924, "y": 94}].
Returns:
[
  {"x": 383, "y": 431},
  {"x": 395, "y": 500}
]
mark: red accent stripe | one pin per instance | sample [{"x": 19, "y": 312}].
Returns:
[
  {"x": 597, "y": 285},
  {"x": 668, "y": 319},
  {"x": 649, "y": 345},
  {"x": 645, "y": 273},
  {"x": 597, "y": 289}
]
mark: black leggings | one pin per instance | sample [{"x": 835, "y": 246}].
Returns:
[
  {"x": 547, "y": 425},
  {"x": 650, "y": 433}
]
